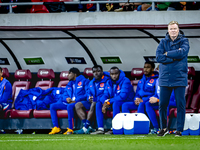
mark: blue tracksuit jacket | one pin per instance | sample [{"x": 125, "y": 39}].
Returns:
[
  {"x": 5, "y": 93},
  {"x": 81, "y": 85},
  {"x": 36, "y": 98},
  {"x": 97, "y": 91},
  {"x": 146, "y": 87},
  {"x": 173, "y": 67},
  {"x": 123, "y": 91}
]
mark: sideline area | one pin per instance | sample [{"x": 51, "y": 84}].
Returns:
[{"x": 41, "y": 142}]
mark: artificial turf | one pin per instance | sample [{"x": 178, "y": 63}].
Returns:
[{"x": 97, "y": 142}]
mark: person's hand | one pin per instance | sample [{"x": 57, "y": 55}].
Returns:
[
  {"x": 69, "y": 100},
  {"x": 153, "y": 100},
  {"x": 105, "y": 106},
  {"x": 90, "y": 99},
  {"x": 165, "y": 53},
  {"x": 72, "y": 102},
  {"x": 179, "y": 49},
  {"x": 138, "y": 101},
  {"x": 104, "y": 110}
]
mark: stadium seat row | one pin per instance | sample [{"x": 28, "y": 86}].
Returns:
[{"x": 45, "y": 82}]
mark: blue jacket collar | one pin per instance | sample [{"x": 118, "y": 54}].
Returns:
[
  {"x": 79, "y": 78},
  {"x": 105, "y": 76},
  {"x": 153, "y": 76}
]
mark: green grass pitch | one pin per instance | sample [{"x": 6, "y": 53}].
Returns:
[{"x": 97, "y": 142}]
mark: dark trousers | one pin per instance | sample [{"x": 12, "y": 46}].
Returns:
[{"x": 165, "y": 93}]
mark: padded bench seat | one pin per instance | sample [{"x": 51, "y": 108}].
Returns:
[
  {"x": 46, "y": 114},
  {"x": 4, "y": 115},
  {"x": 21, "y": 113}
]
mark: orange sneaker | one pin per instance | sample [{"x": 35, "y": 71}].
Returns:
[
  {"x": 55, "y": 130},
  {"x": 69, "y": 131}
]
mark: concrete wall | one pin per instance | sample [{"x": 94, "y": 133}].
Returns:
[{"x": 100, "y": 18}]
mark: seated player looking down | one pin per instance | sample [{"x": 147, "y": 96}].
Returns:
[
  {"x": 146, "y": 89},
  {"x": 74, "y": 92},
  {"x": 94, "y": 93},
  {"x": 117, "y": 91}
]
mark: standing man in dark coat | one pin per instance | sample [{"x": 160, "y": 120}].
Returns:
[{"x": 172, "y": 55}]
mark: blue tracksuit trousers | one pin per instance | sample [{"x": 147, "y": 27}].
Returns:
[
  {"x": 60, "y": 106},
  {"x": 99, "y": 115},
  {"x": 127, "y": 106},
  {"x": 165, "y": 93},
  {"x": 150, "y": 109}
]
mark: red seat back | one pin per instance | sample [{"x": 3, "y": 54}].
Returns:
[
  {"x": 63, "y": 79},
  {"x": 5, "y": 73},
  {"x": 189, "y": 88},
  {"x": 196, "y": 100},
  {"x": 137, "y": 74},
  {"x": 88, "y": 73},
  {"x": 38, "y": 9},
  {"x": 22, "y": 76},
  {"x": 45, "y": 74}
]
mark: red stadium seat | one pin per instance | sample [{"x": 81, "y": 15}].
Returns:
[
  {"x": 108, "y": 114},
  {"x": 137, "y": 74},
  {"x": 63, "y": 79},
  {"x": 191, "y": 102},
  {"x": 22, "y": 76},
  {"x": 5, "y": 73},
  {"x": 37, "y": 9},
  {"x": 189, "y": 88},
  {"x": 48, "y": 73},
  {"x": 195, "y": 102},
  {"x": 194, "y": 107},
  {"x": 88, "y": 73},
  {"x": 45, "y": 74}
]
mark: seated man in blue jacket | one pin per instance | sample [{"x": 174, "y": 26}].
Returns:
[
  {"x": 5, "y": 93},
  {"x": 117, "y": 91},
  {"x": 146, "y": 89},
  {"x": 74, "y": 92},
  {"x": 94, "y": 93}
]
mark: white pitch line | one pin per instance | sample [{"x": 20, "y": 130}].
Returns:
[{"x": 73, "y": 138}]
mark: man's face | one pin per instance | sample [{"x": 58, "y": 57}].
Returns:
[
  {"x": 173, "y": 30},
  {"x": 71, "y": 76},
  {"x": 114, "y": 74},
  {"x": 97, "y": 73},
  {"x": 148, "y": 70}
]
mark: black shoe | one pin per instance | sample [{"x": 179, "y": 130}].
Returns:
[
  {"x": 109, "y": 132},
  {"x": 163, "y": 132},
  {"x": 178, "y": 134},
  {"x": 98, "y": 132}
]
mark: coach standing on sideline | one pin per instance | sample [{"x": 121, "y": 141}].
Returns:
[{"x": 172, "y": 55}]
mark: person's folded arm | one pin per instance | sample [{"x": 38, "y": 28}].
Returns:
[
  {"x": 160, "y": 56},
  {"x": 181, "y": 52}
]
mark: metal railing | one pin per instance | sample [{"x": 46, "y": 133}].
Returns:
[{"x": 98, "y": 2}]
